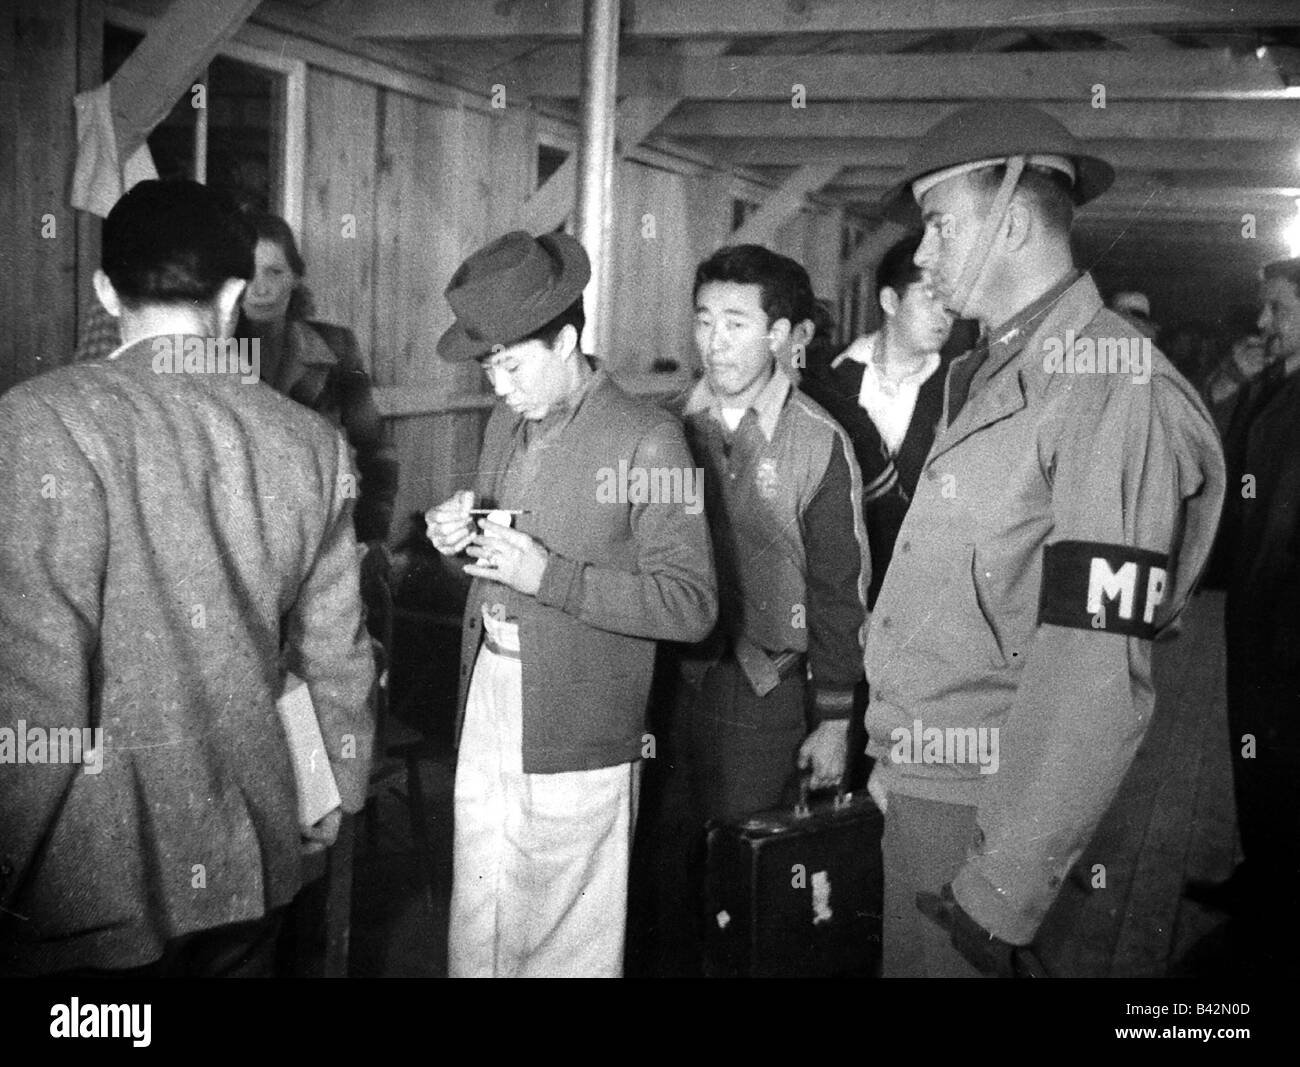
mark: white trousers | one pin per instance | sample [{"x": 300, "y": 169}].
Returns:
[{"x": 540, "y": 861}]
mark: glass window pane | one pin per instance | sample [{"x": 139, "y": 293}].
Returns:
[
  {"x": 243, "y": 113},
  {"x": 245, "y": 138}
]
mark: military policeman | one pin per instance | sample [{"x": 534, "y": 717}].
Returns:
[{"x": 1062, "y": 518}]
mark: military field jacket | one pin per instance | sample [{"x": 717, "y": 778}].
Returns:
[{"x": 1054, "y": 463}]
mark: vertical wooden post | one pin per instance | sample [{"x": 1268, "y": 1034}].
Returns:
[
  {"x": 595, "y": 186},
  {"x": 90, "y": 73}
]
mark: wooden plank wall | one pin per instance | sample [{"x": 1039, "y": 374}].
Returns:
[
  {"x": 38, "y": 230},
  {"x": 426, "y": 184},
  {"x": 813, "y": 238},
  {"x": 398, "y": 190},
  {"x": 654, "y": 262}
]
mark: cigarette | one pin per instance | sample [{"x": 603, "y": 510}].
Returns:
[{"x": 498, "y": 511}]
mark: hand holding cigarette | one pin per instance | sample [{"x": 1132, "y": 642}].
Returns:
[{"x": 450, "y": 525}]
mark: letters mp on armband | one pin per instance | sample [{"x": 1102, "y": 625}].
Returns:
[{"x": 1093, "y": 586}]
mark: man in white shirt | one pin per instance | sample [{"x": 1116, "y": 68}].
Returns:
[
  {"x": 900, "y": 357},
  {"x": 895, "y": 377}
]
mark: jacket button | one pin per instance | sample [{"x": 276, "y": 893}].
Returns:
[
  {"x": 906, "y": 546},
  {"x": 931, "y": 474},
  {"x": 886, "y": 623},
  {"x": 464, "y": 669},
  {"x": 1054, "y": 882}
]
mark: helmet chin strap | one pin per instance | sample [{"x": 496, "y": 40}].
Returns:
[{"x": 990, "y": 237}]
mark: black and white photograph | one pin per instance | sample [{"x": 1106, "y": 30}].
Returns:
[{"x": 650, "y": 489}]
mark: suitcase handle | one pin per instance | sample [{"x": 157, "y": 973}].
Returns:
[{"x": 803, "y": 809}]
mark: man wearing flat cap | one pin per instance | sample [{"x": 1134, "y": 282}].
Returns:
[
  {"x": 1061, "y": 520},
  {"x": 607, "y": 555}
]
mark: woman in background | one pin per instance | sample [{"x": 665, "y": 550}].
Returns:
[{"x": 318, "y": 365}]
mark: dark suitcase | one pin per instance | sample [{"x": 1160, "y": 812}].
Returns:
[{"x": 796, "y": 893}]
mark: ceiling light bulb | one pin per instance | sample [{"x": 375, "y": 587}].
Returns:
[{"x": 1291, "y": 234}]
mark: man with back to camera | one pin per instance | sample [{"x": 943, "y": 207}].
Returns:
[
  {"x": 561, "y": 620},
  {"x": 163, "y": 522},
  {"x": 1063, "y": 515}
]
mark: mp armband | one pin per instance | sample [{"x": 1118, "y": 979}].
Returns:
[{"x": 1088, "y": 585}]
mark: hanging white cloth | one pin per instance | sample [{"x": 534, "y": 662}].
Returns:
[{"x": 100, "y": 177}]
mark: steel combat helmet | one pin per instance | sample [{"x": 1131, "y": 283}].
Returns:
[{"x": 986, "y": 135}]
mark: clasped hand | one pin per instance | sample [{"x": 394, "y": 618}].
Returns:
[{"x": 501, "y": 553}]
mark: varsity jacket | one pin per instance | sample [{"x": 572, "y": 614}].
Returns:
[
  {"x": 784, "y": 498},
  {"x": 888, "y": 481}
]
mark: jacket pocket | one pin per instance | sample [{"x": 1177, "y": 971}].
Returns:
[{"x": 982, "y": 613}]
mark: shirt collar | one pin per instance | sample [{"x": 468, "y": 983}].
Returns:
[
  {"x": 767, "y": 405},
  {"x": 142, "y": 342},
  {"x": 558, "y": 418},
  {"x": 859, "y": 351},
  {"x": 916, "y": 377}
]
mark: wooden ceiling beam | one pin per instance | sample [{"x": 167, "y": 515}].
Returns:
[
  {"x": 1129, "y": 190},
  {"x": 178, "y": 46},
  {"x": 1278, "y": 181},
  {"x": 1181, "y": 211},
  {"x": 1169, "y": 231},
  {"x": 1155, "y": 154},
  {"x": 417, "y": 19},
  {"x": 1064, "y": 76},
  {"x": 637, "y": 117},
  {"x": 783, "y": 204},
  {"x": 1197, "y": 120}
]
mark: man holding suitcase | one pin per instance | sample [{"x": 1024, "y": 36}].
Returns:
[
  {"x": 1062, "y": 518},
  {"x": 783, "y": 496},
  {"x": 771, "y": 690}
]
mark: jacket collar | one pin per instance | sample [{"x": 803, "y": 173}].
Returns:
[
  {"x": 1002, "y": 377},
  {"x": 306, "y": 347},
  {"x": 130, "y": 351},
  {"x": 187, "y": 353},
  {"x": 556, "y": 421},
  {"x": 505, "y": 437},
  {"x": 1050, "y": 311},
  {"x": 767, "y": 405}
]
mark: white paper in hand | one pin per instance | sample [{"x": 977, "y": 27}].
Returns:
[{"x": 318, "y": 793}]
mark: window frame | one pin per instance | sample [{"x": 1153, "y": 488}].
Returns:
[{"x": 294, "y": 113}]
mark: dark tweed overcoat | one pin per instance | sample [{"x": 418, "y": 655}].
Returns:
[{"x": 161, "y": 532}]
